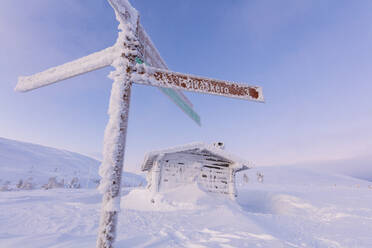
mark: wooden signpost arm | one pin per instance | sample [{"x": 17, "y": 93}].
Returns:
[
  {"x": 68, "y": 70},
  {"x": 167, "y": 79}
]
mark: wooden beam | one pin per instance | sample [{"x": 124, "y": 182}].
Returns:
[{"x": 68, "y": 70}]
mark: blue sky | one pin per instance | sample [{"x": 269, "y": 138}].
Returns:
[{"x": 312, "y": 58}]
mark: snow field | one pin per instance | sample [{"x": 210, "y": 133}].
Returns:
[{"x": 291, "y": 208}]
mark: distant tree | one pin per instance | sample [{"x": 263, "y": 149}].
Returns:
[
  {"x": 6, "y": 186},
  {"x": 19, "y": 184},
  {"x": 53, "y": 183},
  {"x": 74, "y": 184},
  {"x": 28, "y": 184},
  {"x": 96, "y": 181}
]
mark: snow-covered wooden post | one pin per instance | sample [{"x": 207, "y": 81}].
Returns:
[{"x": 116, "y": 129}]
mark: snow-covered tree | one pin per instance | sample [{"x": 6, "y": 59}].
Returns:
[
  {"x": 6, "y": 186},
  {"x": 53, "y": 183},
  {"x": 19, "y": 184},
  {"x": 28, "y": 184},
  {"x": 74, "y": 184}
]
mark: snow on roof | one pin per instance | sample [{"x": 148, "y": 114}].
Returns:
[{"x": 237, "y": 162}]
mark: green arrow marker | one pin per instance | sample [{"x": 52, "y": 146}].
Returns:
[{"x": 172, "y": 94}]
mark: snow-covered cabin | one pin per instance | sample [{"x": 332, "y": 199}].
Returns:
[{"x": 208, "y": 165}]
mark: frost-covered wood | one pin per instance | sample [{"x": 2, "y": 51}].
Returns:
[
  {"x": 71, "y": 69},
  {"x": 116, "y": 129},
  {"x": 167, "y": 79}
]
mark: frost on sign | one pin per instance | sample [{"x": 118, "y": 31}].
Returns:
[{"x": 175, "y": 80}]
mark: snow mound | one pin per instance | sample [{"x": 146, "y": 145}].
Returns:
[
  {"x": 38, "y": 165},
  {"x": 284, "y": 189},
  {"x": 188, "y": 197},
  {"x": 259, "y": 201}
]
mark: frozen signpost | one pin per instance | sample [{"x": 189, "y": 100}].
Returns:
[{"x": 135, "y": 59}]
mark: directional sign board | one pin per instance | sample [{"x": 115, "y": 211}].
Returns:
[{"x": 175, "y": 80}]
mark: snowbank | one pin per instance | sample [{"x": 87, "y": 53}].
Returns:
[{"x": 188, "y": 197}]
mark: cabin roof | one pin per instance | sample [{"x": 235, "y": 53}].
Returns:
[{"x": 198, "y": 148}]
